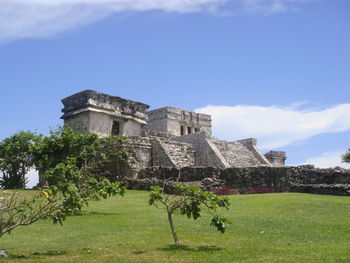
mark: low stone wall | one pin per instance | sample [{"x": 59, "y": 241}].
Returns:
[
  {"x": 145, "y": 184},
  {"x": 275, "y": 179},
  {"x": 244, "y": 179},
  {"x": 185, "y": 174},
  {"x": 328, "y": 189}
]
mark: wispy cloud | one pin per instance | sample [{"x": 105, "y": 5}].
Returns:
[
  {"x": 276, "y": 126},
  {"x": 268, "y": 7},
  {"x": 42, "y": 18},
  {"x": 329, "y": 159}
]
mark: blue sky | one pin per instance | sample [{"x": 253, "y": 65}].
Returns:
[{"x": 277, "y": 70}]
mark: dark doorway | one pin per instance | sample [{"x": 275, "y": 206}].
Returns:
[
  {"x": 189, "y": 130},
  {"x": 182, "y": 130},
  {"x": 115, "y": 129}
]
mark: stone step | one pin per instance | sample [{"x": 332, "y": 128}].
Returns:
[
  {"x": 182, "y": 154},
  {"x": 236, "y": 154}
]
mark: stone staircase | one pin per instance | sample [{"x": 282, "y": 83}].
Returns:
[
  {"x": 236, "y": 154},
  {"x": 178, "y": 153}
]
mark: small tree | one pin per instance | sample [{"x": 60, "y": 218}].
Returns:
[
  {"x": 346, "y": 157},
  {"x": 68, "y": 161},
  {"x": 190, "y": 201},
  {"x": 68, "y": 194},
  {"x": 16, "y": 158}
]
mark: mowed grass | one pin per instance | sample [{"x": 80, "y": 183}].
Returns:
[{"x": 286, "y": 227}]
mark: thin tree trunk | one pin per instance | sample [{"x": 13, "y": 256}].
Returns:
[{"x": 170, "y": 218}]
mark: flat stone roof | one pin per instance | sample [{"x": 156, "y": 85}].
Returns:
[
  {"x": 178, "y": 111},
  {"x": 89, "y": 99}
]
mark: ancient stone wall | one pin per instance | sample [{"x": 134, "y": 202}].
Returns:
[
  {"x": 178, "y": 122},
  {"x": 157, "y": 120},
  {"x": 274, "y": 179},
  {"x": 79, "y": 122},
  {"x": 100, "y": 123},
  {"x": 139, "y": 150}
]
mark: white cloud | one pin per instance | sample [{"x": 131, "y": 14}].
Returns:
[
  {"x": 330, "y": 159},
  {"x": 42, "y": 18},
  {"x": 276, "y": 126}
]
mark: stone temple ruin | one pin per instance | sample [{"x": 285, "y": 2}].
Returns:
[
  {"x": 165, "y": 137},
  {"x": 170, "y": 144}
]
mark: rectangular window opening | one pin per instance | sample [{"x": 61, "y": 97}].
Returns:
[
  {"x": 196, "y": 129},
  {"x": 189, "y": 130}
]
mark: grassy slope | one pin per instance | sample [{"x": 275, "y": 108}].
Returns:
[{"x": 267, "y": 228}]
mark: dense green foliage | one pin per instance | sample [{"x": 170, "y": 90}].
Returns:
[
  {"x": 16, "y": 158},
  {"x": 87, "y": 151},
  {"x": 68, "y": 161},
  {"x": 190, "y": 201},
  {"x": 346, "y": 157},
  {"x": 273, "y": 228}
]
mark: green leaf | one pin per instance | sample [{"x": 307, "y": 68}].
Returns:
[{"x": 220, "y": 223}]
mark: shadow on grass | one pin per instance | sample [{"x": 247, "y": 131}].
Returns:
[
  {"x": 47, "y": 253},
  {"x": 139, "y": 252},
  {"x": 192, "y": 249},
  {"x": 16, "y": 256},
  {"x": 93, "y": 213},
  {"x": 50, "y": 253}
]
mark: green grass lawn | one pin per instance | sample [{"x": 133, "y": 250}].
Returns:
[{"x": 286, "y": 227}]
